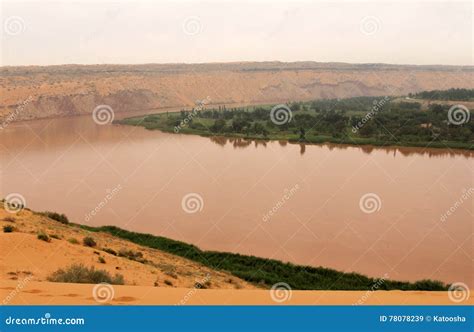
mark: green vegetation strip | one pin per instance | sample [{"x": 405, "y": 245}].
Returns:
[
  {"x": 379, "y": 121},
  {"x": 266, "y": 272}
]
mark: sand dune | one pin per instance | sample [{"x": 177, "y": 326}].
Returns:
[
  {"x": 27, "y": 261},
  {"x": 25, "y": 256}
]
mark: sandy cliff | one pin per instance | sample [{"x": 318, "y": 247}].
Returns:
[{"x": 37, "y": 92}]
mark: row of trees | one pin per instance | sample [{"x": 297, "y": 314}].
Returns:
[
  {"x": 391, "y": 121},
  {"x": 451, "y": 94}
]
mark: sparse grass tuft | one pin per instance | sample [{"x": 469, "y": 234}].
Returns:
[
  {"x": 101, "y": 260},
  {"x": 43, "y": 237},
  {"x": 73, "y": 241},
  {"x": 78, "y": 273},
  {"x": 8, "y": 229},
  {"x": 56, "y": 216},
  {"x": 110, "y": 251},
  {"x": 89, "y": 242},
  {"x": 132, "y": 255}
]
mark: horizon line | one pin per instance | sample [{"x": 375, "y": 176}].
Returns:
[{"x": 241, "y": 62}]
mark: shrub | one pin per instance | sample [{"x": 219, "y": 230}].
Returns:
[
  {"x": 110, "y": 251},
  {"x": 101, "y": 260},
  {"x": 89, "y": 242},
  {"x": 169, "y": 283},
  {"x": 8, "y": 229},
  {"x": 43, "y": 237},
  {"x": 132, "y": 255},
  {"x": 55, "y": 236},
  {"x": 200, "y": 285},
  {"x": 73, "y": 241},
  {"x": 78, "y": 273},
  {"x": 56, "y": 216}
]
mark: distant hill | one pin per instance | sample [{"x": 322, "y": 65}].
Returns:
[{"x": 31, "y": 92}]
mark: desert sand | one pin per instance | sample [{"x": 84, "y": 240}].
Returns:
[
  {"x": 25, "y": 256},
  {"x": 26, "y": 263},
  {"x": 48, "y": 293}
]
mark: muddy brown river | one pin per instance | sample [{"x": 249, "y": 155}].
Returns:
[{"x": 406, "y": 213}]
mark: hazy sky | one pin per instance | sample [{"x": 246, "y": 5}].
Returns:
[{"x": 412, "y": 32}]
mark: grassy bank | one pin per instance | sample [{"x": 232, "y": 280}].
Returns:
[
  {"x": 386, "y": 124},
  {"x": 267, "y": 272}
]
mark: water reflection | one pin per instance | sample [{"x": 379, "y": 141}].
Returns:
[
  {"x": 67, "y": 165},
  {"x": 367, "y": 149}
]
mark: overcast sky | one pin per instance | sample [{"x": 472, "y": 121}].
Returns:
[{"x": 90, "y": 32}]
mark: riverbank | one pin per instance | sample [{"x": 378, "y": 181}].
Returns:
[
  {"x": 248, "y": 126},
  {"x": 52, "y": 243}
]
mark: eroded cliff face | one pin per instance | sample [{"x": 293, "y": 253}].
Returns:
[{"x": 38, "y": 92}]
